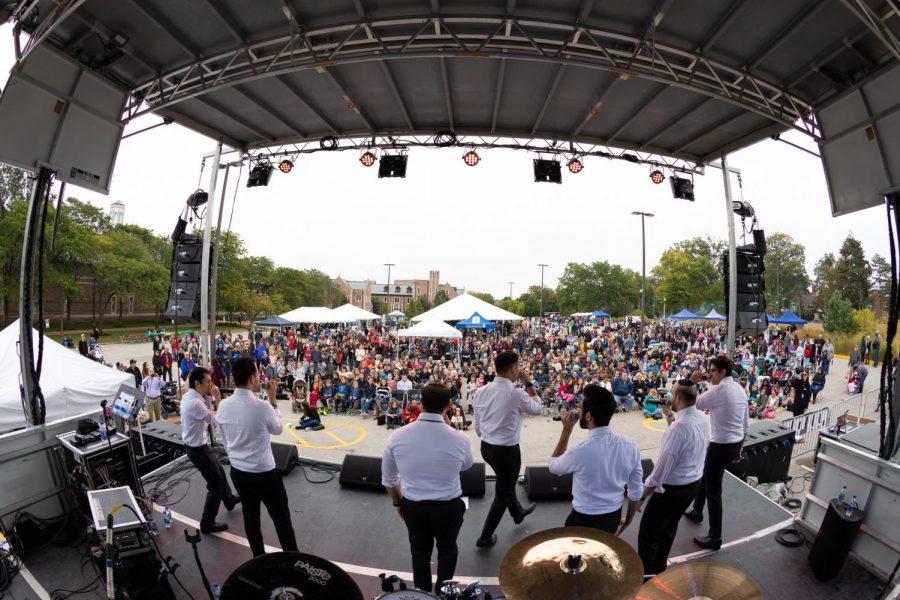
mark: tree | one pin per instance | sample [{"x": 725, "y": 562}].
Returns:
[
  {"x": 690, "y": 273},
  {"x": 785, "y": 276},
  {"x": 531, "y": 301},
  {"x": 584, "y": 287},
  {"x": 881, "y": 277},
  {"x": 379, "y": 307},
  {"x": 853, "y": 273},
  {"x": 484, "y": 296},
  {"x": 416, "y": 307},
  {"x": 824, "y": 281},
  {"x": 513, "y": 306},
  {"x": 14, "y": 185},
  {"x": 839, "y": 315},
  {"x": 440, "y": 297}
]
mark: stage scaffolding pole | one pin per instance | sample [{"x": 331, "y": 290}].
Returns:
[
  {"x": 214, "y": 278},
  {"x": 205, "y": 348},
  {"x": 732, "y": 260}
]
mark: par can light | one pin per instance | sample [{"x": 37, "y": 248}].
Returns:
[
  {"x": 285, "y": 166},
  {"x": 657, "y": 177},
  {"x": 367, "y": 159},
  {"x": 575, "y": 165},
  {"x": 471, "y": 158}
]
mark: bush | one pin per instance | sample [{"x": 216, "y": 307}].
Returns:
[
  {"x": 839, "y": 315},
  {"x": 864, "y": 321}
]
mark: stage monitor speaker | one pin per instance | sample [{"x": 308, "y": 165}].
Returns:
[
  {"x": 547, "y": 171},
  {"x": 286, "y": 457},
  {"x": 363, "y": 472},
  {"x": 188, "y": 253},
  {"x": 541, "y": 484},
  {"x": 472, "y": 480}
]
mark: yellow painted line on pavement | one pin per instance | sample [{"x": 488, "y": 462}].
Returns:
[
  {"x": 300, "y": 440},
  {"x": 339, "y": 440},
  {"x": 359, "y": 431},
  {"x": 649, "y": 424}
]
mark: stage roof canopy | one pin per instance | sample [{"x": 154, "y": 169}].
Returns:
[{"x": 678, "y": 81}]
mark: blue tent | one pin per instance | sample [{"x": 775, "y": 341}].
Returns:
[
  {"x": 600, "y": 314},
  {"x": 476, "y": 321},
  {"x": 788, "y": 318},
  {"x": 684, "y": 315},
  {"x": 275, "y": 321}
]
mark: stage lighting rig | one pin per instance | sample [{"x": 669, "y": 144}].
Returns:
[
  {"x": 575, "y": 165},
  {"x": 547, "y": 170},
  {"x": 259, "y": 175},
  {"x": 367, "y": 159},
  {"x": 471, "y": 158},
  {"x": 657, "y": 177},
  {"x": 285, "y": 166},
  {"x": 392, "y": 165},
  {"x": 682, "y": 188}
]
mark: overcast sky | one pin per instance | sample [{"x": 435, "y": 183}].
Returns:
[{"x": 480, "y": 227}]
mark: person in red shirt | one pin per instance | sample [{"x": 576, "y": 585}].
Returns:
[{"x": 411, "y": 412}]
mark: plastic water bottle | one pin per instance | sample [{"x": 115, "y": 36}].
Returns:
[
  {"x": 167, "y": 517},
  {"x": 154, "y": 530},
  {"x": 843, "y": 495},
  {"x": 853, "y": 506},
  {"x": 216, "y": 589}
]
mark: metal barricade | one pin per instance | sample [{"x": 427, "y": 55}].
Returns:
[{"x": 806, "y": 429}]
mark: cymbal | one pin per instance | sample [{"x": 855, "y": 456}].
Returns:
[
  {"x": 702, "y": 580},
  {"x": 290, "y": 576},
  {"x": 539, "y": 566}
]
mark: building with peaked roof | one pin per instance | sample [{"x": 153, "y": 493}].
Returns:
[{"x": 398, "y": 293}]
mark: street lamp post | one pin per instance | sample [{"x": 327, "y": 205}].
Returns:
[
  {"x": 542, "y": 266},
  {"x": 389, "y": 265},
  {"x": 664, "y": 308},
  {"x": 643, "y": 215},
  {"x": 510, "y": 288}
]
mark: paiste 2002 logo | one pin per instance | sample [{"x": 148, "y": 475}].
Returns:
[{"x": 316, "y": 575}]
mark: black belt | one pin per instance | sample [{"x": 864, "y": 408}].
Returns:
[
  {"x": 680, "y": 486},
  {"x": 430, "y": 502}
]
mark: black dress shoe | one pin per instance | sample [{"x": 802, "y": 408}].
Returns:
[
  {"x": 693, "y": 515},
  {"x": 237, "y": 500},
  {"x": 487, "y": 543},
  {"x": 526, "y": 510},
  {"x": 708, "y": 542},
  {"x": 213, "y": 528}
]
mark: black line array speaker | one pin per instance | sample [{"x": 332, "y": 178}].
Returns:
[
  {"x": 184, "y": 289},
  {"x": 285, "y": 457},
  {"x": 541, "y": 484},
  {"x": 751, "y": 287}
]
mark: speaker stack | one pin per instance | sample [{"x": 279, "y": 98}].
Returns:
[
  {"x": 751, "y": 287},
  {"x": 184, "y": 290}
]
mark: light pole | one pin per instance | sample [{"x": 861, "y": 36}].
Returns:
[
  {"x": 542, "y": 266},
  {"x": 664, "y": 308},
  {"x": 389, "y": 265},
  {"x": 643, "y": 215},
  {"x": 510, "y": 288}
]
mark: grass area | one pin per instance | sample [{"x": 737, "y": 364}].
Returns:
[
  {"x": 112, "y": 334},
  {"x": 844, "y": 343}
]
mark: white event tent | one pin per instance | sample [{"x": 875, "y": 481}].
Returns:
[
  {"x": 349, "y": 313},
  {"x": 71, "y": 384},
  {"x": 431, "y": 329},
  {"x": 462, "y": 307},
  {"x": 310, "y": 314}
]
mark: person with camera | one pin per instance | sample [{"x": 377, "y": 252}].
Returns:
[
  {"x": 602, "y": 466},
  {"x": 499, "y": 407},
  {"x": 728, "y": 409},
  {"x": 245, "y": 423},
  {"x": 675, "y": 479},
  {"x": 420, "y": 469}
]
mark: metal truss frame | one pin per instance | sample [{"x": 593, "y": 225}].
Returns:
[
  {"x": 512, "y": 38},
  {"x": 402, "y": 143}
]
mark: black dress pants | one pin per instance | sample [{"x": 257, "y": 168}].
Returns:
[
  {"x": 266, "y": 488},
  {"x": 608, "y": 522},
  {"x": 506, "y": 462},
  {"x": 217, "y": 488},
  {"x": 430, "y": 523},
  {"x": 718, "y": 456},
  {"x": 659, "y": 524}
]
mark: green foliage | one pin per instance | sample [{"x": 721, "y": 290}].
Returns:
[
  {"x": 531, "y": 301},
  {"x": 484, "y": 296},
  {"x": 785, "y": 277},
  {"x": 584, "y": 287},
  {"x": 689, "y": 273},
  {"x": 839, "y": 315},
  {"x": 513, "y": 306},
  {"x": 853, "y": 273},
  {"x": 416, "y": 307},
  {"x": 379, "y": 307},
  {"x": 864, "y": 321},
  {"x": 440, "y": 297},
  {"x": 824, "y": 281},
  {"x": 881, "y": 276}
]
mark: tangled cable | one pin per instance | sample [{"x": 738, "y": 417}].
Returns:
[{"x": 444, "y": 138}]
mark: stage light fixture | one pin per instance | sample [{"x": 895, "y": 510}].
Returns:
[
  {"x": 575, "y": 165},
  {"x": 260, "y": 175},
  {"x": 547, "y": 170},
  {"x": 742, "y": 209},
  {"x": 657, "y": 177},
  {"x": 392, "y": 165},
  {"x": 367, "y": 159},
  {"x": 682, "y": 188},
  {"x": 285, "y": 166},
  {"x": 471, "y": 158},
  {"x": 198, "y": 198}
]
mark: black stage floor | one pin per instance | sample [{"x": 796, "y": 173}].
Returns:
[{"x": 361, "y": 532}]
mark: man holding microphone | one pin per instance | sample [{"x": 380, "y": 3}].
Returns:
[
  {"x": 499, "y": 407},
  {"x": 728, "y": 409},
  {"x": 675, "y": 479}
]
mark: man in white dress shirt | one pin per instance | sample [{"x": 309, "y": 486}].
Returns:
[
  {"x": 196, "y": 419},
  {"x": 245, "y": 422},
  {"x": 499, "y": 407},
  {"x": 728, "y": 409},
  {"x": 675, "y": 479},
  {"x": 420, "y": 468},
  {"x": 602, "y": 466}
]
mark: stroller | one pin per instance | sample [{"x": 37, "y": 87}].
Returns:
[
  {"x": 168, "y": 396},
  {"x": 298, "y": 397}
]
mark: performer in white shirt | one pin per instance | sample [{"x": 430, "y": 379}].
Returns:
[
  {"x": 498, "y": 422},
  {"x": 675, "y": 479},
  {"x": 196, "y": 418},
  {"x": 245, "y": 422},
  {"x": 728, "y": 409},
  {"x": 420, "y": 468},
  {"x": 602, "y": 466}
]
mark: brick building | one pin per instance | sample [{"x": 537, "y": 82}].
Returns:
[{"x": 396, "y": 295}]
